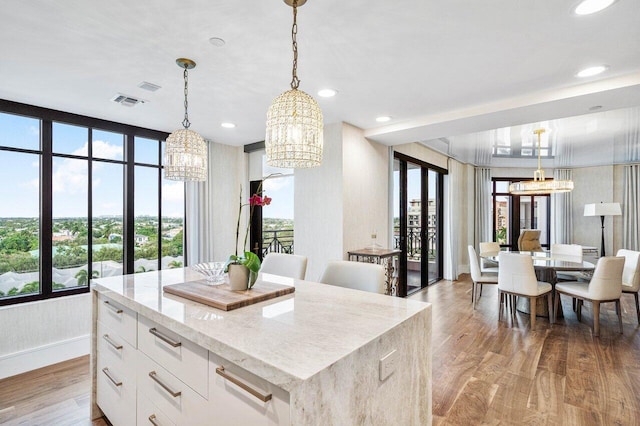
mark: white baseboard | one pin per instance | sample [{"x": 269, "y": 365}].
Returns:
[{"x": 41, "y": 356}]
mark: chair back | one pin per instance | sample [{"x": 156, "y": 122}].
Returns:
[
  {"x": 606, "y": 283},
  {"x": 286, "y": 265},
  {"x": 631, "y": 271},
  {"x": 529, "y": 240},
  {"x": 489, "y": 247},
  {"x": 357, "y": 275},
  {"x": 571, "y": 252},
  {"x": 516, "y": 273},
  {"x": 474, "y": 266}
]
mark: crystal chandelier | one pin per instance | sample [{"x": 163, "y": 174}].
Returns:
[
  {"x": 294, "y": 120},
  {"x": 185, "y": 154},
  {"x": 539, "y": 185}
]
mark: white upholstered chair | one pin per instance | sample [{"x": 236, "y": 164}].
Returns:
[
  {"x": 631, "y": 275},
  {"x": 516, "y": 277},
  {"x": 489, "y": 248},
  {"x": 286, "y": 265},
  {"x": 356, "y": 275},
  {"x": 478, "y": 277},
  {"x": 605, "y": 286},
  {"x": 571, "y": 252}
]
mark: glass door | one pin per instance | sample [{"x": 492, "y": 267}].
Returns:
[{"x": 417, "y": 219}]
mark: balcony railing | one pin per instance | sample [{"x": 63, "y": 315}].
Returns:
[
  {"x": 277, "y": 241},
  {"x": 414, "y": 241}
]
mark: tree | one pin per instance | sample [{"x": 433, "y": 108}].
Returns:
[{"x": 83, "y": 276}]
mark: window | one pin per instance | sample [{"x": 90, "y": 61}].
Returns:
[
  {"x": 512, "y": 213},
  {"x": 81, "y": 198}
]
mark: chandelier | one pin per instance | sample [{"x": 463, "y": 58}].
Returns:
[
  {"x": 294, "y": 120},
  {"x": 185, "y": 154},
  {"x": 539, "y": 185}
]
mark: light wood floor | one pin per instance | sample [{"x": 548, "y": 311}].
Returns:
[
  {"x": 490, "y": 373},
  {"x": 483, "y": 372}
]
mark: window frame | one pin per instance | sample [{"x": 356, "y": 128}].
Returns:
[{"x": 46, "y": 118}]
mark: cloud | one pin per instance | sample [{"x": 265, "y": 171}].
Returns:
[{"x": 173, "y": 192}]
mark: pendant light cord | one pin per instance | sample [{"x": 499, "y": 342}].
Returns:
[
  {"x": 186, "y": 122},
  {"x": 295, "y": 82}
]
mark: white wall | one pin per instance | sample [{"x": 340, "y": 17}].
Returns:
[
  {"x": 318, "y": 206},
  {"x": 421, "y": 152},
  {"x": 365, "y": 182},
  {"x": 41, "y": 333}
]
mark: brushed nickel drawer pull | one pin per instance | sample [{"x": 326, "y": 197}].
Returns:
[
  {"x": 113, "y": 308},
  {"x": 262, "y": 397},
  {"x": 164, "y": 337},
  {"x": 173, "y": 393},
  {"x": 152, "y": 420},
  {"x": 111, "y": 342},
  {"x": 114, "y": 381}
]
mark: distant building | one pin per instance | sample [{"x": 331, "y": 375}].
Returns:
[
  {"x": 141, "y": 239},
  {"x": 415, "y": 211}
]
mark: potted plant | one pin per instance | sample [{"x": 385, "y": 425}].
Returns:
[{"x": 243, "y": 269}]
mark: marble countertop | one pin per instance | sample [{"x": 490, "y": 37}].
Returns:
[{"x": 285, "y": 340}]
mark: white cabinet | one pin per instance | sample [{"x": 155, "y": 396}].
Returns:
[
  {"x": 148, "y": 374},
  {"x": 241, "y": 398},
  {"x": 181, "y": 357},
  {"x": 115, "y": 363}
]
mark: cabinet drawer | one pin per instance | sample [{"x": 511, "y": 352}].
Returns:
[
  {"x": 115, "y": 391},
  {"x": 118, "y": 318},
  {"x": 149, "y": 414},
  {"x": 183, "y": 358},
  {"x": 237, "y": 398},
  {"x": 181, "y": 404},
  {"x": 115, "y": 351}
]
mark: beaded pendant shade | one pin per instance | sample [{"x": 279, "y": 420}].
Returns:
[
  {"x": 539, "y": 185},
  {"x": 185, "y": 154},
  {"x": 294, "y": 121}
]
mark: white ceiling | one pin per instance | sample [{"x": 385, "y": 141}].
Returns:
[{"x": 439, "y": 68}]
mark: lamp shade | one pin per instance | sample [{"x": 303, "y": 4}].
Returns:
[
  {"x": 294, "y": 131},
  {"x": 602, "y": 209},
  {"x": 185, "y": 156}
]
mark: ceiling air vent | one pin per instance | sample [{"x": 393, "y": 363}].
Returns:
[
  {"x": 148, "y": 86},
  {"x": 126, "y": 100}
]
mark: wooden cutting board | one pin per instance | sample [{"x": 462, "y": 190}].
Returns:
[{"x": 222, "y": 297}]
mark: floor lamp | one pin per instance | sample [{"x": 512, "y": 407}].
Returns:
[{"x": 602, "y": 210}]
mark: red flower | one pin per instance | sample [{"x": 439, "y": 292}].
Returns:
[
  {"x": 266, "y": 201},
  {"x": 255, "y": 200}
]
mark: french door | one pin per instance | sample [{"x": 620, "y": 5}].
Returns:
[{"x": 417, "y": 222}]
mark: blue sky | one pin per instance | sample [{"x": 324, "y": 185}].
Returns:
[{"x": 19, "y": 173}]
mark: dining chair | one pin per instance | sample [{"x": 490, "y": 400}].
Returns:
[
  {"x": 605, "y": 286},
  {"x": 516, "y": 277},
  {"x": 572, "y": 252},
  {"x": 529, "y": 240},
  {"x": 489, "y": 248},
  {"x": 631, "y": 275},
  {"x": 286, "y": 265},
  {"x": 477, "y": 276},
  {"x": 356, "y": 275}
]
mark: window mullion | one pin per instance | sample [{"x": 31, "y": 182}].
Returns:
[{"x": 46, "y": 209}]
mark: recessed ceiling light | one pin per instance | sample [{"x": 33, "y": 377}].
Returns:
[
  {"x": 217, "y": 41},
  {"x": 383, "y": 119},
  {"x": 587, "y": 7},
  {"x": 327, "y": 93},
  {"x": 591, "y": 71},
  {"x": 228, "y": 125}
]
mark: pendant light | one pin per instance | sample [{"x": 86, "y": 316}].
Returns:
[
  {"x": 294, "y": 120},
  {"x": 185, "y": 154},
  {"x": 538, "y": 185}
]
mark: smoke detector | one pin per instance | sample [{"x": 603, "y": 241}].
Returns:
[{"x": 126, "y": 100}]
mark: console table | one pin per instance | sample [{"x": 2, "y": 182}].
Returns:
[{"x": 384, "y": 257}]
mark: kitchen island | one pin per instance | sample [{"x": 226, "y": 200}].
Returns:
[{"x": 321, "y": 355}]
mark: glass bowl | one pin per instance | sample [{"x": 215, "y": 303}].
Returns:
[{"x": 213, "y": 271}]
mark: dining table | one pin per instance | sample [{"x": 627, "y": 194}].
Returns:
[{"x": 546, "y": 265}]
